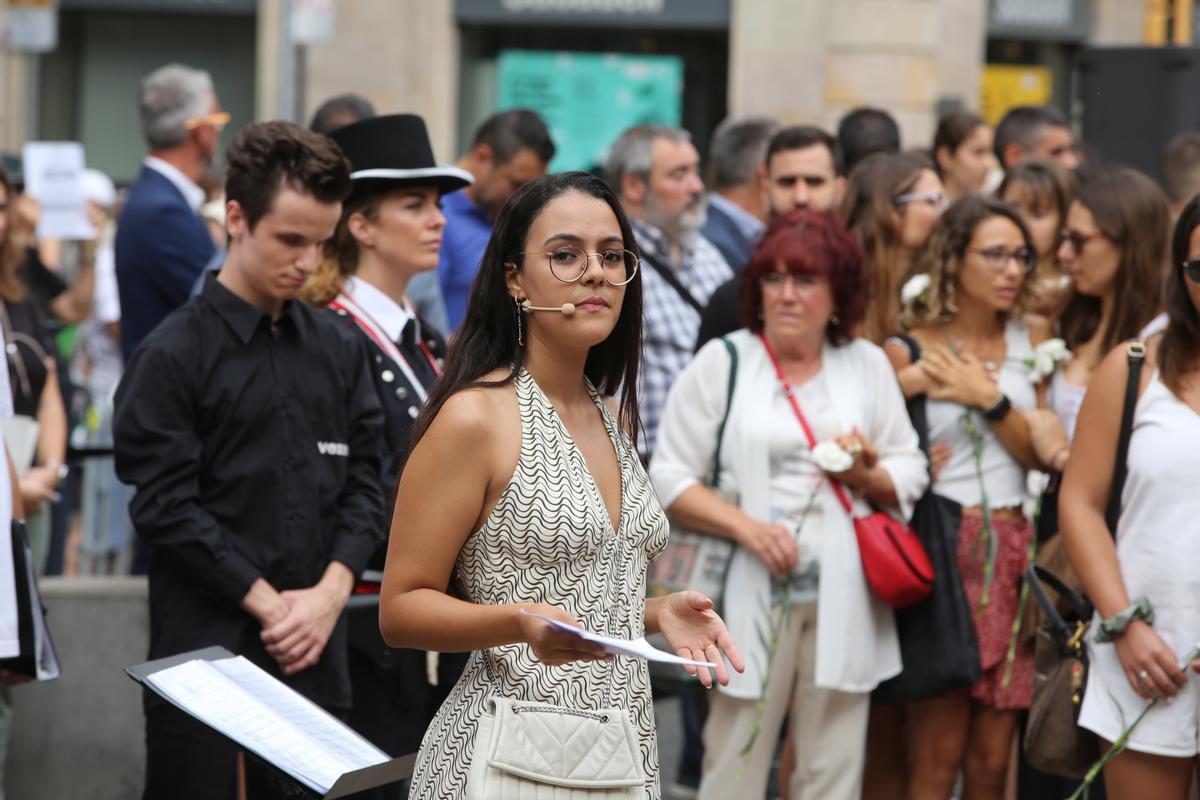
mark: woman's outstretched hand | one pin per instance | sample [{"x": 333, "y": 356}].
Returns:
[{"x": 695, "y": 631}]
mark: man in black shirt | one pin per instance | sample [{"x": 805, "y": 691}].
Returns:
[{"x": 250, "y": 426}]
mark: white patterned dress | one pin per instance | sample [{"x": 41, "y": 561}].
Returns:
[{"x": 550, "y": 540}]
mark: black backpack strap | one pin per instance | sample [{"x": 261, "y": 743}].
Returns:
[
  {"x": 916, "y": 404},
  {"x": 668, "y": 275},
  {"x": 1137, "y": 356}
]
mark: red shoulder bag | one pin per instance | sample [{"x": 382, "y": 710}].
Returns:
[{"x": 894, "y": 561}]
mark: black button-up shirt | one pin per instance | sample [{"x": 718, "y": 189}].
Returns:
[{"x": 255, "y": 450}]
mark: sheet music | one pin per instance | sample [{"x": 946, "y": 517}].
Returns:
[
  {"x": 264, "y": 716},
  {"x": 638, "y": 648}
]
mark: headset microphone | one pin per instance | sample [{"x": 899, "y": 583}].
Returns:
[{"x": 566, "y": 309}]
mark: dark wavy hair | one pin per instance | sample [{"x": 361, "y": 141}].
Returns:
[
  {"x": 947, "y": 247},
  {"x": 1132, "y": 212},
  {"x": 810, "y": 243},
  {"x": 1179, "y": 351},
  {"x": 487, "y": 339}
]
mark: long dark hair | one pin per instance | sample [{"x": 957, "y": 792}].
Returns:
[
  {"x": 1180, "y": 348},
  {"x": 488, "y": 337},
  {"x": 1132, "y": 212}
]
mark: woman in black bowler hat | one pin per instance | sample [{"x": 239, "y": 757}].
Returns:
[{"x": 390, "y": 230}]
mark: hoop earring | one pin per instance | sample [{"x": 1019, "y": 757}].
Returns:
[{"x": 520, "y": 324}]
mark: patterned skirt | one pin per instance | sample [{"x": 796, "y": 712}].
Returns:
[{"x": 994, "y": 622}]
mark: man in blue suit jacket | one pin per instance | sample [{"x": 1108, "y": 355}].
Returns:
[
  {"x": 737, "y": 205},
  {"x": 162, "y": 244}
]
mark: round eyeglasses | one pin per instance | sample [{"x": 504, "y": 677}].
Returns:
[{"x": 569, "y": 264}]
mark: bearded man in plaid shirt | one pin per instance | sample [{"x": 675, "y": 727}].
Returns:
[{"x": 656, "y": 172}]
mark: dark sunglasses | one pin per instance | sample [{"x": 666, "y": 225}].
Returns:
[{"x": 1192, "y": 270}]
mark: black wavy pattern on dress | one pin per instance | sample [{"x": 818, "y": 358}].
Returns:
[{"x": 550, "y": 540}]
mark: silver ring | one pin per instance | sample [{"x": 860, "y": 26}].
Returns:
[
  {"x": 854, "y": 449},
  {"x": 1143, "y": 674}
]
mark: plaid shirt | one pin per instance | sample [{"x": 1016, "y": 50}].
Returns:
[{"x": 669, "y": 323}]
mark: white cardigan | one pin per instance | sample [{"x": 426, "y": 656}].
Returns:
[{"x": 856, "y": 633}]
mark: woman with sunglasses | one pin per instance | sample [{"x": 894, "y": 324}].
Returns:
[
  {"x": 524, "y": 500},
  {"x": 974, "y": 345},
  {"x": 796, "y": 571},
  {"x": 1114, "y": 247},
  {"x": 1144, "y": 586},
  {"x": 891, "y": 205}
]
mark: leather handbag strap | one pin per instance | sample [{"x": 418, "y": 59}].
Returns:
[
  {"x": 1136, "y": 352},
  {"x": 1035, "y": 576},
  {"x": 812, "y": 440},
  {"x": 668, "y": 275},
  {"x": 733, "y": 367}
]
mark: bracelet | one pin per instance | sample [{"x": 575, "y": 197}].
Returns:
[
  {"x": 1116, "y": 624},
  {"x": 999, "y": 410}
]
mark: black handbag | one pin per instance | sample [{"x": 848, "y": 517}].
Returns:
[
  {"x": 937, "y": 635},
  {"x": 1054, "y": 742}
]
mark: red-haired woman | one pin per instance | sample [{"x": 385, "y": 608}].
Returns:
[{"x": 796, "y": 568}]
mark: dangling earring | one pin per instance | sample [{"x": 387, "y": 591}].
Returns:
[
  {"x": 520, "y": 325},
  {"x": 833, "y": 319}
]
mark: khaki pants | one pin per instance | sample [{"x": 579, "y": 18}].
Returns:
[{"x": 829, "y": 728}]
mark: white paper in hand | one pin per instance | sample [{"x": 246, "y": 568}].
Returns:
[{"x": 638, "y": 648}]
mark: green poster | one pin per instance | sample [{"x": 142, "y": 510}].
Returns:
[{"x": 588, "y": 99}]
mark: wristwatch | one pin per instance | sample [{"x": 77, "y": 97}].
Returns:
[{"x": 999, "y": 409}]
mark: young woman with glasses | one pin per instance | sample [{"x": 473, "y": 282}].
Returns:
[
  {"x": 524, "y": 492},
  {"x": 974, "y": 345},
  {"x": 891, "y": 205},
  {"x": 1145, "y": 586}
]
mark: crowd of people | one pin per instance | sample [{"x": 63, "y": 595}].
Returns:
[{"x": 382, "y": 425}]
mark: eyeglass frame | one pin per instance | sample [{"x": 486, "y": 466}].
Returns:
[
  {"x": 216, "y": 119},
  {"x": 637, "y": 263},
  {"x": 1078, "y": 241},
  {"x": 1028, "y": 266},
  {"x": 939, "y": 200}
]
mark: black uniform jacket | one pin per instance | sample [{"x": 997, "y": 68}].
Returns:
[{"x": 255, "y": 451}]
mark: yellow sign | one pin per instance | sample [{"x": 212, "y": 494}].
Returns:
[{"x": 1006, "y": 86}]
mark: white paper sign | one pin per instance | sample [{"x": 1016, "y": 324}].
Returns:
[
  {"x": 54, "y": 177},
  {"x": 31, "y": 27},
  {"x": 312, "y": 21}
]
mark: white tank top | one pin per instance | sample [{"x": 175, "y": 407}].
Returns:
[
  {"x": 1002, "y": 474},
  {"x": 1158, "y": 536}
]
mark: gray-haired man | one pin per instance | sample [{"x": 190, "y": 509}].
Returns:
[
  {"x": 162, "y": 244},
  {"x": 656, "y": 172}
]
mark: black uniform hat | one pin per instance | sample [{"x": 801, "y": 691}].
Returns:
[{"x": 394, "y": 150}]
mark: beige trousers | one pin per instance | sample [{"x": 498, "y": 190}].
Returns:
[{"x": 829, "y": 728}]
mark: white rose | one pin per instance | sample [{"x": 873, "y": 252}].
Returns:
[
  {"x": 914, "y": 288},
  {"x": 832, "y": 457},
  {"x": 1046, "y": 358}
]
